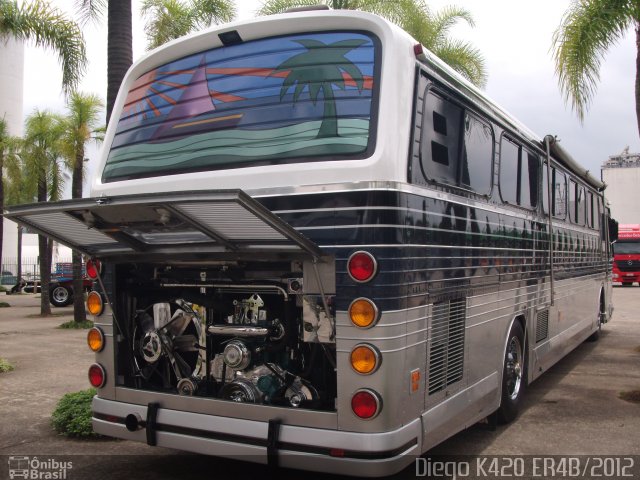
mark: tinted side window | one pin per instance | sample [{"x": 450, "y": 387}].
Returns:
[
  {"x": 456, "y": 147},
  {"x": 577, "y": 203},
  {"x": 509, "y": 160},
  {"x": 559, "y": 194},
  {"x": 519, "y": 170},
  {"x": 477, "y": 155},
  {"x": 440, "y": 139},
  {"x": 529, "y": 166},
  {"x": 545, "y": 190}
]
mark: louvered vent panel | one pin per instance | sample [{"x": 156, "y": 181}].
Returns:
[
  {"x": 232, "y": 221},
  {"x": 542, "y": 325},
  {"x": 446, "y": 356}
]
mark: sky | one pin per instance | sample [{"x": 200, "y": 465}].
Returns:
[{"x": 514, "y": 37}]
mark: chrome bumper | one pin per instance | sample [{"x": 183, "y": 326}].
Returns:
[{"x": 330, "y": 451}]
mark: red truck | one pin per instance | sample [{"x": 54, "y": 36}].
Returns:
[
  {"x": 61, "y": 289},
  {"x": 626, "y": 259}
]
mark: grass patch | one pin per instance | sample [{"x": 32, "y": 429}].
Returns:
[
  {"x": 3, "y": 289},
  {"x": 5, "y": 366},
  {"x": 4, "y": 305},
  {"x": 73, "y": 325},
  {"x": 631, "y": 396},
  {"x": 72, "y": 416}
]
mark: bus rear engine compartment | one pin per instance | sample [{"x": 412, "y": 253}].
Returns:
[{"x": 253, "y": 334}]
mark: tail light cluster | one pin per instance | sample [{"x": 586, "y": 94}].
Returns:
[
  {"x": 95, "y": 336},
  {"x": 365, "y": 358}
]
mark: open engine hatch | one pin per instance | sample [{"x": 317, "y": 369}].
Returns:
[{"x": 216, "y": 223}]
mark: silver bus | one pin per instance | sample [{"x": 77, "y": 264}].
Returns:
[{"x": 314, "y": 245}]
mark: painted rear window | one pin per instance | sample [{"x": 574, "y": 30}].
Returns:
[{"x": 296, "y": 98}]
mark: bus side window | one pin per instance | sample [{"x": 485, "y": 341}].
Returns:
[
  {"x": 545, "y": 190},
  {"x": 559, "y": 194},
  {"x": 577, "y": 203},
  {"x": 456, "y": 147},
  {"x": 509, "y": 161},
  {"x": 477, "y": 155},
  {"x": 519, "y": 170},
  {"x": 529, "y": 166},
  {"x": 441, "y": 122}
]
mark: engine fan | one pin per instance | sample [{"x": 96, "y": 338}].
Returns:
[{"x": 166, "y": 347}]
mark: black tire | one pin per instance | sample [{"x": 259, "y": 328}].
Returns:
[
  {"x": 60, "y": 296},
  {"x": 513, "y": 375},
  {"x": 595, "y": 336}
]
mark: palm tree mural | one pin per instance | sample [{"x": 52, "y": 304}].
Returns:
[{"x": 318, "y": 69}]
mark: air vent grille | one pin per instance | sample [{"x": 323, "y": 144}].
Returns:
[
  {"x": 446, "y": 354},
  {"x": 542, "y": 325}
]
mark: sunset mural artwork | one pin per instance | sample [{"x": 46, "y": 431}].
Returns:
[{"x": 286, "y": 99}]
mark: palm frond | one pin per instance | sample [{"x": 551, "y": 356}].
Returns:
[
  {"x": 272, "y": 7},
  {"x": 587, "y": 30},
  {"x": 465, "y": 59},
  {"x": 90, "y": 10},
  {"x": 210, "y": 12},
  {"x": 47, "y": 27}
]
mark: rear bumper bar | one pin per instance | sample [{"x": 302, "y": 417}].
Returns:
[{"x": 331, "y": 451}]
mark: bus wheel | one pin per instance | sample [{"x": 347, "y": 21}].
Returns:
[
  {"x": 601, "y": 315},
  {"x": 513, "y": 380}
]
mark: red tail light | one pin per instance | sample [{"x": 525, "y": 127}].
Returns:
[
  {"x": 97, "y": 376},
  {"x": 366, "y": 404},
  {"x": 362, "y": 266},
  {"x": 93, "y": 268}
]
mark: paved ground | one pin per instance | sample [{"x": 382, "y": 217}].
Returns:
[{"x": 573, "y": 409}]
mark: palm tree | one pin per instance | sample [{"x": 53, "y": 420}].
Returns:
[
  {"x": 170, "y": 19},
  {"x": 319, "y": 68},
  {"x": 587, "y": 30},
  {"x": 8, "y": 154},
  {"x": 47, "y": 27},
  {"x": 80, "y": 126},
  {"x": 16, "y": 189},
  {"x": 119, "y": 41},
  {"x": 42, "y": 156},
  {"x": 414, "y": 16}
]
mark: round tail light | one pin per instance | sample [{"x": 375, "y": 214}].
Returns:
[
  {"x": 363, "y": 313},
  {"x": 365, "y": 359},
  {"x": 97, "y": 376},
  {"x": 362, "y": 266},
  {"x": 95, "y": 339},
  {"x": 93, "y": 268},
  {"x": 95, "y": 305},
  {"x": 366, "y": 404}
]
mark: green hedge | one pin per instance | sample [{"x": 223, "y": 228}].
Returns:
[{"x": 72, "y": 416}]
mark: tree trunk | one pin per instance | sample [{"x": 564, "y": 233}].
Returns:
[
  {"x": 19, "y": 272},
  {"x": 1, "y": 202},
  {"x": 638, "y": 74},
  {"x": 79, "y": 314},
  {"x": 119, "y": 50},
  {"x": 329, "y": 125},
  {"x": 45, "y": 249}
]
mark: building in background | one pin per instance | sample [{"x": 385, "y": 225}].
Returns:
[{"x": 621, "y": 173}]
